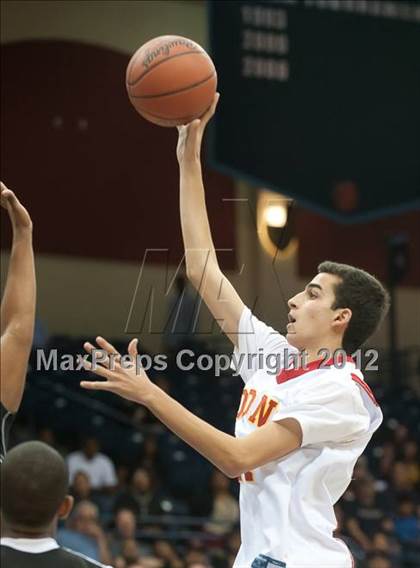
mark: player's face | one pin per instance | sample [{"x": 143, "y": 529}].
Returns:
[{"x": 311, "y": 319}]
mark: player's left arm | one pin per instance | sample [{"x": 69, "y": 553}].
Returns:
[
  {"x": 18, "y": 304},
  {"x": 233, "y": 456}
]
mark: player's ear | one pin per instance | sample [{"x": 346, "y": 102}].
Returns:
[
  {"x": 342, "y": 316},
  {"x": 66, "y": 507}
]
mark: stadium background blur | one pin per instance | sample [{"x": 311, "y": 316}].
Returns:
[{"x": 101, "y": 186}]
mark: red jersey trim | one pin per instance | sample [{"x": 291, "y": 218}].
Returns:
[
  {"x": 365, "y": 387},
  {"x": 287, "y": 374}
]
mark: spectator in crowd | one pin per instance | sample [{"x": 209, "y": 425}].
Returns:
[
  {"x": 47, "y": 436},
  {"x": 225, "y": 510},
  {"x": 340, "y": 533},
  {"x": 149, "y": 458},
  {"x": 141, "y": 497},
  {"x": 150, "y": 455},
  {"x": 411, "y": 459},
  {"x": 133, "y": 556},
  {"x": 233, "y": 543},
  {"x": 84, "y": 533},
  {"x": 401, "y": 481},
  {"x": 123, "y": 476},
  {"x": 142, "y": 417},
  {"x": 361, "y": 469},
  {"x": 400, "y": 435},
  {"x": 129, "y": 554},
  {"x": 407, "y": 524},
  {"x": 388, "y": 545},
  {"x": 97, "y": 465},
  {"x": 365, "y": 514},
  {"x": 125, "y": 530},
  {"x": 81, "y": 488},
  {"x": 387, "y": 459},
  {"x": 379, "y": 560},
  {"x": 196, "y": 557},
  {"x": 166, "y": 552},
  {"x": 125, "y": 525}
]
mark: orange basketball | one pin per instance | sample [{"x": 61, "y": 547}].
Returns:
[{"x": 171, "y": 80}]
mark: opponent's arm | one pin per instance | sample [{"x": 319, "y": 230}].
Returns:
[
  {"x": 202, "y": 266},
  {"x": 18, "y": 304},
  {"x": 233, "y": 456}
]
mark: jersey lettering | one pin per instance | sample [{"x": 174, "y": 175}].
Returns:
[
  {"x": 263, "y": 411},
  {"x": 248, "y": 397}
]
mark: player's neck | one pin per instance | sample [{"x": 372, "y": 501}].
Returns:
[
  {"x": 9, "y": 532},
  {"x": 324, "y": 350}
]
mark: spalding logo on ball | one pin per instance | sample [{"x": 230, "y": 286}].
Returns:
[{"x": 171, "y": 80}]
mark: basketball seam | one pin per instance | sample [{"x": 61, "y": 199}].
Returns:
[
  {"x": 175, "y": 92},
  {"x": 163, "y": 61}
]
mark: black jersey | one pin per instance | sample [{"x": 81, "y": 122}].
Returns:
[
  {"x": 55, "y": 557},
  {"x": 6, "y": 419}
]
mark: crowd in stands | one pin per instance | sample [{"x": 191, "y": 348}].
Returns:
[{"x": 143, "y": 499}]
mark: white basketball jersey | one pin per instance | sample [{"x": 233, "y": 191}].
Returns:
[{"x": 287, "y": 516}]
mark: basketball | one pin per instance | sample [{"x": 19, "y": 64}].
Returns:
[{"x": 171, "y": 80}]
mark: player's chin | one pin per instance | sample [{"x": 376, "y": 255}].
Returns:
[{"x": 292, "y": 337}]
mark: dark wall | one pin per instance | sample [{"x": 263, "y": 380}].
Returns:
[
  {"x": 361, "y": 244},
  {"x": 98, "y": 179}
]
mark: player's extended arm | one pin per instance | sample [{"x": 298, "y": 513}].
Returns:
[
  {"x": 233, "y": 456},
  {"x": 18, "y": 304},
  {"x": 202, "y": 266}
]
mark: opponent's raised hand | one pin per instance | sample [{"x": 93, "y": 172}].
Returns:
[
  {"x": 19, "y": 216},
  {"x": 190, "y": 135},
  {"x": 122, "y": 374}
]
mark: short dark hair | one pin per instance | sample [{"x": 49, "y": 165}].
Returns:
[
  {"x": 364, "y": 295},
  {"x": 34, "y": 484}
]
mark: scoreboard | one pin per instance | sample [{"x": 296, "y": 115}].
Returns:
[{"x": 320, "y": 100}]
